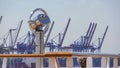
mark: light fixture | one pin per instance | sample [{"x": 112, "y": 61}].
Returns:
[{"x": 40, "y": 22}]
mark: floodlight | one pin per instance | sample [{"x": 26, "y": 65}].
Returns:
[{"x": 40, "y": 22}]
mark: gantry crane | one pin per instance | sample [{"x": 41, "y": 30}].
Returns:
[
  {"x": 63, "y": 37},
  {"x": 58, "y": 45},
  {"x": 100, "y": 41},
  {"x": 88, "y": 37},
  {"x": 10, "y": 38},
  {"x": 84, "y": 44}
]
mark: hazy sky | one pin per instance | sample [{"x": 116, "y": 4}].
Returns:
[{"x": 82, "y": 12}]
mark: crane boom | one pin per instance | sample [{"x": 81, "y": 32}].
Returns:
[
  {"x": 85, "y": 39},
  {"x": 92, "y": 33},
  {"x": 64, "y": 33},
  {"x": 17, "y": 33},
  {"x": 1, "y": 19},
  {"x": 103, "y": 38},
  {"x": 49, "y": 33}
]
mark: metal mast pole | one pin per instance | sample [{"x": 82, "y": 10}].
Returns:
[{"x": 40, "y": 36}]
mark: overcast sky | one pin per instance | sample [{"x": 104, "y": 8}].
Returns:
[{"x": 81, "y": 12}]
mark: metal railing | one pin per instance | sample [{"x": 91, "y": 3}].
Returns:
[{"x": 53, "y": 61}]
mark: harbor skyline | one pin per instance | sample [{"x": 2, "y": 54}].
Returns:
[{"x": 81, "y": 12}]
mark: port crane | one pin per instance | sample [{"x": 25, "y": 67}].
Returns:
[
  {"x": 84, "y": 44},
  {"x": 53, "y": 44},
  {"x": 100, "y": 42},
  {"x": 9, "y": 39}
]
